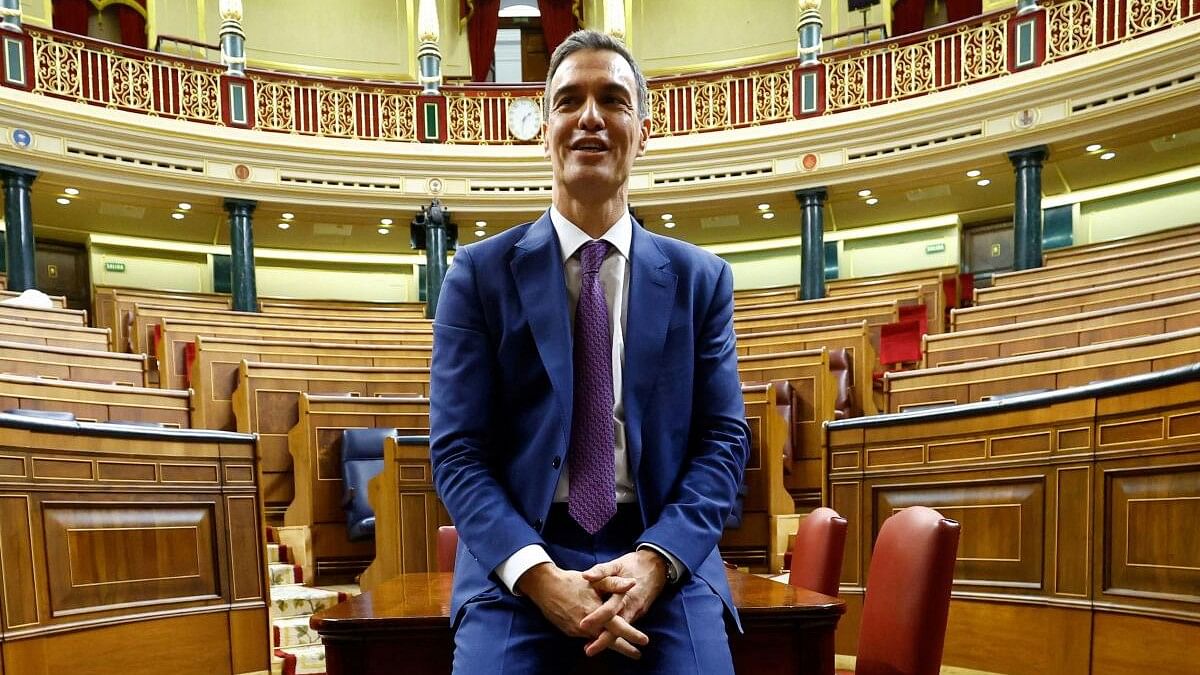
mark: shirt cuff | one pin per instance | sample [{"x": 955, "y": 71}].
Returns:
[
  {"x": 676, "y": 565},
  {"x": 519, "y": 563}
]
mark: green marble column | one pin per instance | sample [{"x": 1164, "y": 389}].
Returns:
[
  {"x": 18, "y": 224},
  {"x": 1027, "y": 206},
  {"x": 812, "y": 236},
  {"x": 437, "y": 219},
  {"x": 241, "y": 249}
]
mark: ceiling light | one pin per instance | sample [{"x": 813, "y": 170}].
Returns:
[
  {"x": 481, "y": 223},
  {"x": 1093, "y": 147},
  {"x": 872, "y": 201},
  {"x": 177, "y": 215},
  {"x": 669, "y": 226},
  {"x": 973, "y": 173},
  {"x": 288, "y": 216},
  {"x": 764, "y": 207},
  {"x": 480, "y": 233},
  {"x": 767, "y": 215},
  {"x": 667, "y": 216},
  {"x": 1108, "y": 155},
  {"x": 864, "y": 193},
  {"x": 284, "y": 226},
  {"x": 63, "y": 200},
  {"x": 385, "y": 221},
  {"x": 185, "y": 206},
  {"x": 383, "y": 230},
  {"x": 72, "y": 191},
  {"x": 983, "y": 182}
]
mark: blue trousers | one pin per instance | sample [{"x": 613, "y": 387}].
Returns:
[{"x": 500, "y": 633}]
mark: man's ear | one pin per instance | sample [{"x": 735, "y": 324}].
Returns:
[
  {"x": 545, "y": 140},
  {"x": 645, "y": 136}
]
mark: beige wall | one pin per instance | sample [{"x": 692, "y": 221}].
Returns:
[
  {"x": 160, "y": 270},
  {"x": 677, "y": 35},
  {"x": 352, "y": 282},
  {"x": 1138, "y": 212},
  {"x": 37, "y": 13},
  {"x": 900, "y": 252},
  {"x": 763, "y": 269}
]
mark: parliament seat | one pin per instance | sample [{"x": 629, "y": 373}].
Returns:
[
  {"x": 816, "y": 556},
  {"x": 447, "y": 547},
  {"x": 362, "y": 460}
]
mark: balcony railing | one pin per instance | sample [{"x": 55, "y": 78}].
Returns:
[{"x": 990, "y": 46}]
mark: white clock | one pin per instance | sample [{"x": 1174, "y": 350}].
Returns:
[{"x": 524, "y": 119}]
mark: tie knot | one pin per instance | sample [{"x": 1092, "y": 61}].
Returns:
[{"x": 591, "y": 255}]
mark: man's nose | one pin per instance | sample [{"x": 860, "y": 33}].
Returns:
[{"x": 590, "y": 117}]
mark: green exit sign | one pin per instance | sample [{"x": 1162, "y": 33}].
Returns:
[
  {"x": 935, "y": 248},
  {"x": 114, "y": 267}
]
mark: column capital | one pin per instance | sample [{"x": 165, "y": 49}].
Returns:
[
  {"x": 1036, "y": 154},
  {"x": 817, "y": 194},
  {"x": 9, "y": 171},
  {"x": 238, "y": 206}
]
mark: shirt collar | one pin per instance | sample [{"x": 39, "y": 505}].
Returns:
[{"x": 570, "y": 237}]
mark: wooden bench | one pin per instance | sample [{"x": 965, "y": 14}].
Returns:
[
  {"x": 808, "y": 373},
  {"x": 1076, "y": 302},
  {"x": 1112, "y": 261},
  {"x": 59, "y": 301},
  {"x": 55, "y": 334},
  {"x": 175, "y": 336},
  {"x": 415, "y": 310},
  {"x": 855, "y": 338},
  {"x": 65, "y": 363},
  {"x": 1067, "y": 254},
  {"x": 91, "y": 402},
  {"x": 130, "y": 550},
  {"x": 932, "y": 285},
  {"x": 266, "y": 402},
  {"x": 750, "y": 296},
  {"x": 905, "y": 296},
  {"x": 753, "y": 544},
  {"x": 315, "y": 444},
  {"x": 213, "y": 364},
  {"x": 112, "y": 307},
  {"x": 1098, "y": 277},
  {"x": 875, "y": 314},
  {"x": 68, "y": 317},
  {"x": 1072, "y": 330},
  {"x": 407, "y": 512},
  {"x": 1056, "y": 369},
  {"x": 1077, "y": 509}
]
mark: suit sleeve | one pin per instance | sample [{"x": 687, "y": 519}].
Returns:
[
  {"x": 691, "y": 523},
  {"x": 462, "y": 391}
]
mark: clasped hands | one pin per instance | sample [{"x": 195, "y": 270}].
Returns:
[{"x": 601, "y": 603}]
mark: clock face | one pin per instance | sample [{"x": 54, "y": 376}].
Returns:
[{"x": 524, "y": 119}]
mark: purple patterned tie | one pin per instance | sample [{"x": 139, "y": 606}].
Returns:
[{"x": 591, "y": 499}]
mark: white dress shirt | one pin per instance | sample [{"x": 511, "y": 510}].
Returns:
[{"x": 614, "y": 276}]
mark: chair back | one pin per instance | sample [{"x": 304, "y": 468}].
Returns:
[
  {"x": 908, "y": 594},
  {"x": 900, "y": 342},
  {"x": 918, "y": 313},
  {"x": 362, "y": 460},
  {"x": 841, "y": 366},
  {"x": 447, "y": 548},
  {"x": 817, "y": 552}
]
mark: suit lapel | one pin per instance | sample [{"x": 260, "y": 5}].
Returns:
[
  {"x": 651, "y": 298},
  {"x": 537, "y": 270}
]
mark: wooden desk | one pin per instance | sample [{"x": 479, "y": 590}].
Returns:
[{"x": 406, "y": 621}]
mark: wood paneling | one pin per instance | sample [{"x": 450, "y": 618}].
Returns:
[{"x": 1135, "y": 644}]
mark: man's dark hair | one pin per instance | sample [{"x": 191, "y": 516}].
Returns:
[{"x": 590, "y": 39}]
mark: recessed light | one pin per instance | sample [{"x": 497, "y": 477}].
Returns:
[
  {"x": 983, "y": 182},
  {"x": 1093, "y": 147},
  {"x": 288, "y": 216},
  {"x": 669, "y": 226},
  {"x": 481, "y": 223},
  {"x": 973, "y": 173},
  {"x": 185, "y": 206},
  {"x": 872, "y": 201},
  {"x": 767, "y": 215},
  {"x": 667, "y": 216},
  {"x": 1108, "y": 155},
  {"x": 72, "y": 191},
  {"x": 764, "y": 207},
  {"x": 480, "y": 233},
  {"x": 385, "y": 221},
  {"x": 864, "y": 193},
  {"x": 284, "y": 226},
  {"x": 177, "y": 215},
  {"x": 63, "y": 200},
  {"x": 383, "y": 230}
]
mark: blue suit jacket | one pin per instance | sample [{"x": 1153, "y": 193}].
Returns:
[{"x": 501, "y": 399}]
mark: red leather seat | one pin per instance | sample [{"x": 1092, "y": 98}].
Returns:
[
  {"x": 900, "y": 342},
  {"x": 817, "y": 552},
  {"x": 908, "y": 595},
  {"x": 841, "y": 365},
  {"x": 447, "y": 547},
  {"x": 918, "y": 313}
]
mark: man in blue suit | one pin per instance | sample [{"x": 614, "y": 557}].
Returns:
[{"x": 587, "y": 427}]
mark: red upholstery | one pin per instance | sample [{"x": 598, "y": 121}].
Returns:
[
  {"x": 908, "y": 594},
  {"x": 966, "y": 289},
  {"x": 817, "y": 552},
  {"x": 950, "y": 292},
  {"x": 841, "y": 365},
  {"x": 900, "y": 342},
  {"x": 785, "y": 402},
  {"x": 918, "y": 313},
  {"x": 447, "y": 547}
]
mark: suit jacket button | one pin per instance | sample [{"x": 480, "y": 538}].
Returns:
[
  {"x": 556, "y": 462},
  {"x": 537, "y": 524}
]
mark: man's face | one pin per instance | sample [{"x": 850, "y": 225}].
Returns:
[{"x": 593, "y": 132}]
